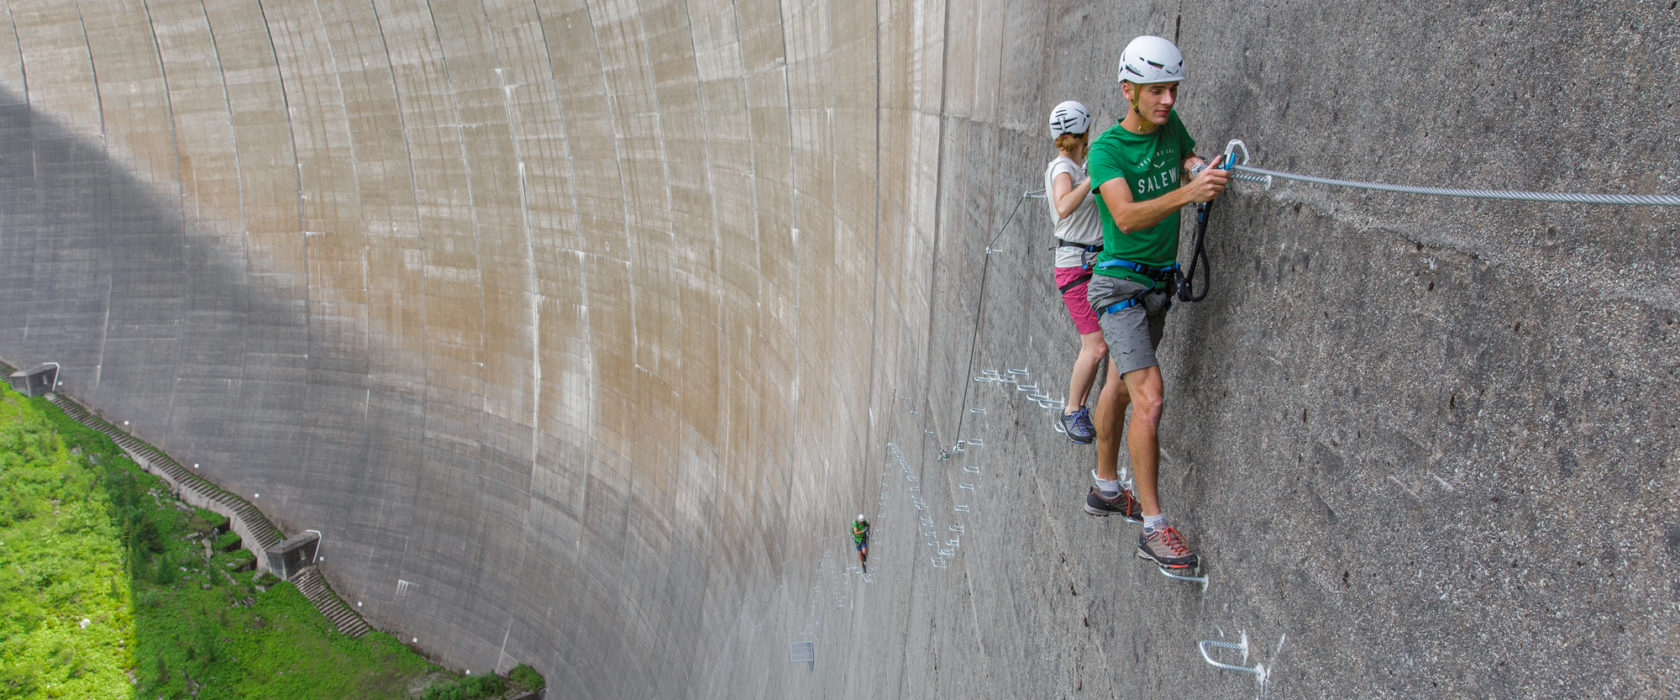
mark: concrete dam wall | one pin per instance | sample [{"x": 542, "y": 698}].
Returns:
[{"x": 580, "y": 329}]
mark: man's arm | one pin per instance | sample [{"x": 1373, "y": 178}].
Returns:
[{"x": 1135, "y": 216}]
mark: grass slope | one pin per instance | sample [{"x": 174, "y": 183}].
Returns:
[{"x": 111, "y": 588}]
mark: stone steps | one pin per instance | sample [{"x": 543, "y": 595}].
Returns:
[
  {"x": 315, "y": 588},
  {"x": 309, "y": 581},
  {"x": 155, "y": 460}
]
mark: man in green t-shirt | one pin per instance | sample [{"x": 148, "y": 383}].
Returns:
[
  {"x": 1136, "y": 167},
  {"x": 860, "y": 538}
]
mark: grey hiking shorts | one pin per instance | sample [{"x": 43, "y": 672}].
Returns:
[{"x": 1132, "y": 333}]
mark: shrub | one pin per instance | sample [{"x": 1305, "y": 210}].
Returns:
[
  {"x": 468, "y": 688},
  {"x": 526, "y": 678}
]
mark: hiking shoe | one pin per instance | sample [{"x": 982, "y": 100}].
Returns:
[
  {"x": 1166, "y": 548},
  {"x": 1122, "y": 505},
  {"x": 1078, "y": 426}
]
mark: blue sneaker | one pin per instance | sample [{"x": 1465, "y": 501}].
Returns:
[{"x": 1078, "y": 426}]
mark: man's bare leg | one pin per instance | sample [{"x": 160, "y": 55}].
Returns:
[
  {"x": 1143, "y": 389},
  {"x": 1109, "y": 419}
]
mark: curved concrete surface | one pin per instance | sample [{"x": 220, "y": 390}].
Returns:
[{"x": 581, "y": 328}]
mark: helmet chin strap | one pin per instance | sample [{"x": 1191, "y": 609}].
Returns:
[{"x": 1137, "y": 94}]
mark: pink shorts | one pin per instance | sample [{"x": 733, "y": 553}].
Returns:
[{"x": 1084, "y": 318}]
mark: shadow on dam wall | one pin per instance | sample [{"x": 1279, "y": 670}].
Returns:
[{"x": 1424, "y": 445}]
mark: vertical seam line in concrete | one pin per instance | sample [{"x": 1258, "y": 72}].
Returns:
[
  {"x": 664, "y": 165},
  {"x": 233, "y": 131},
  {"x": 238, "y": 167},
  {"x": 752, "y": 156},
  {"x": 297, "y": 170},
  {"x": 23, "y": 71},
  {"x": 709, "y": 534},
  {"x": 419, "y": 233},
  {"x": 571, "y": 191},
  {"x": 104, "y": 140},
  {"x": 105, "y": 146},
  {"x": 472, "y": 211},
  {"x": 875, "y": 245},
  {"x": 533, "y": 305},
  {"x": 623, "y": 194},
  {"x": 793, "y": 215},
  {"x": 874, "y": 326},
  {"x": 583, "y": 304},
  {"x": 168, "y": 99},
  {"x": 361, "y": 213},
  {"x": 938, "y": 229},
  {"x": 175, "y": 144}
]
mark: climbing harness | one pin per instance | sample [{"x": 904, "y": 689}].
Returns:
[
  {"x": 1086, "y": 260},
  {"x": 1157, "y": 276}
]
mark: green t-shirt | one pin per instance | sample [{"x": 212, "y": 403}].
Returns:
[
  {"x": 1151, "y": 165},
  {"x": 860, "y": 530}
]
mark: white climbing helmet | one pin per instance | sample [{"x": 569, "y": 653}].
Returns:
[
  {"x": 1151, "y": 59},
  {"x": 860, "y": 517},
  {"x": 1069, "y": 117}
]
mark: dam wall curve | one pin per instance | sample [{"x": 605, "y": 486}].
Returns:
[{"x": 580, "y": 329}]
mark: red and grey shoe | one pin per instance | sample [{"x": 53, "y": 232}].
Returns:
[{"x": 1166, "y": 548}]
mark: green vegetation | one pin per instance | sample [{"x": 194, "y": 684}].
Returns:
[
  {"x": 111, "y": 588},
  {"x": 525, "y": 678}
]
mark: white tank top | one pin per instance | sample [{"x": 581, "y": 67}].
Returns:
[{"x": 1079, "y": 227}]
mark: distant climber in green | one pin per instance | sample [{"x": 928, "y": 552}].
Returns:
[
  {"x": 1137, "y": 167},
  {"x": 860, "y": 537}
]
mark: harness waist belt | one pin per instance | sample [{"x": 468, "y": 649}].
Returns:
[
  {"x": 1158, "y": 274},
  {"x": 1065, "y": 243}
]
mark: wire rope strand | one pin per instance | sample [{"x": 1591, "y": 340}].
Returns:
[
  {"x": 980, "y": 305},
  {"x": 1662, "y": 200}
]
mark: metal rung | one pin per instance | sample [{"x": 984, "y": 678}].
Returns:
[
  {"x": 1203, "y": 579},
  {"x": 947, "y": 553},
  {"x": 1258, "y": 670},
  {"x": 961, "y": 508},
  {"x": 965, "y": 485},
  {"x": 956, "y": 528},
  {"x": 977, "y": 411},
  {"x": 954, "y": 543},
  {"x": 976, "y": 442},
  {"x": 938, "y": 564},
  {"x": 1022, "y": 372},
  {"x": 972, "y": 469}
]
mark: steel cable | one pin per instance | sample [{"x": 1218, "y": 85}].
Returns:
[{"x": 1661, "y": 200}]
